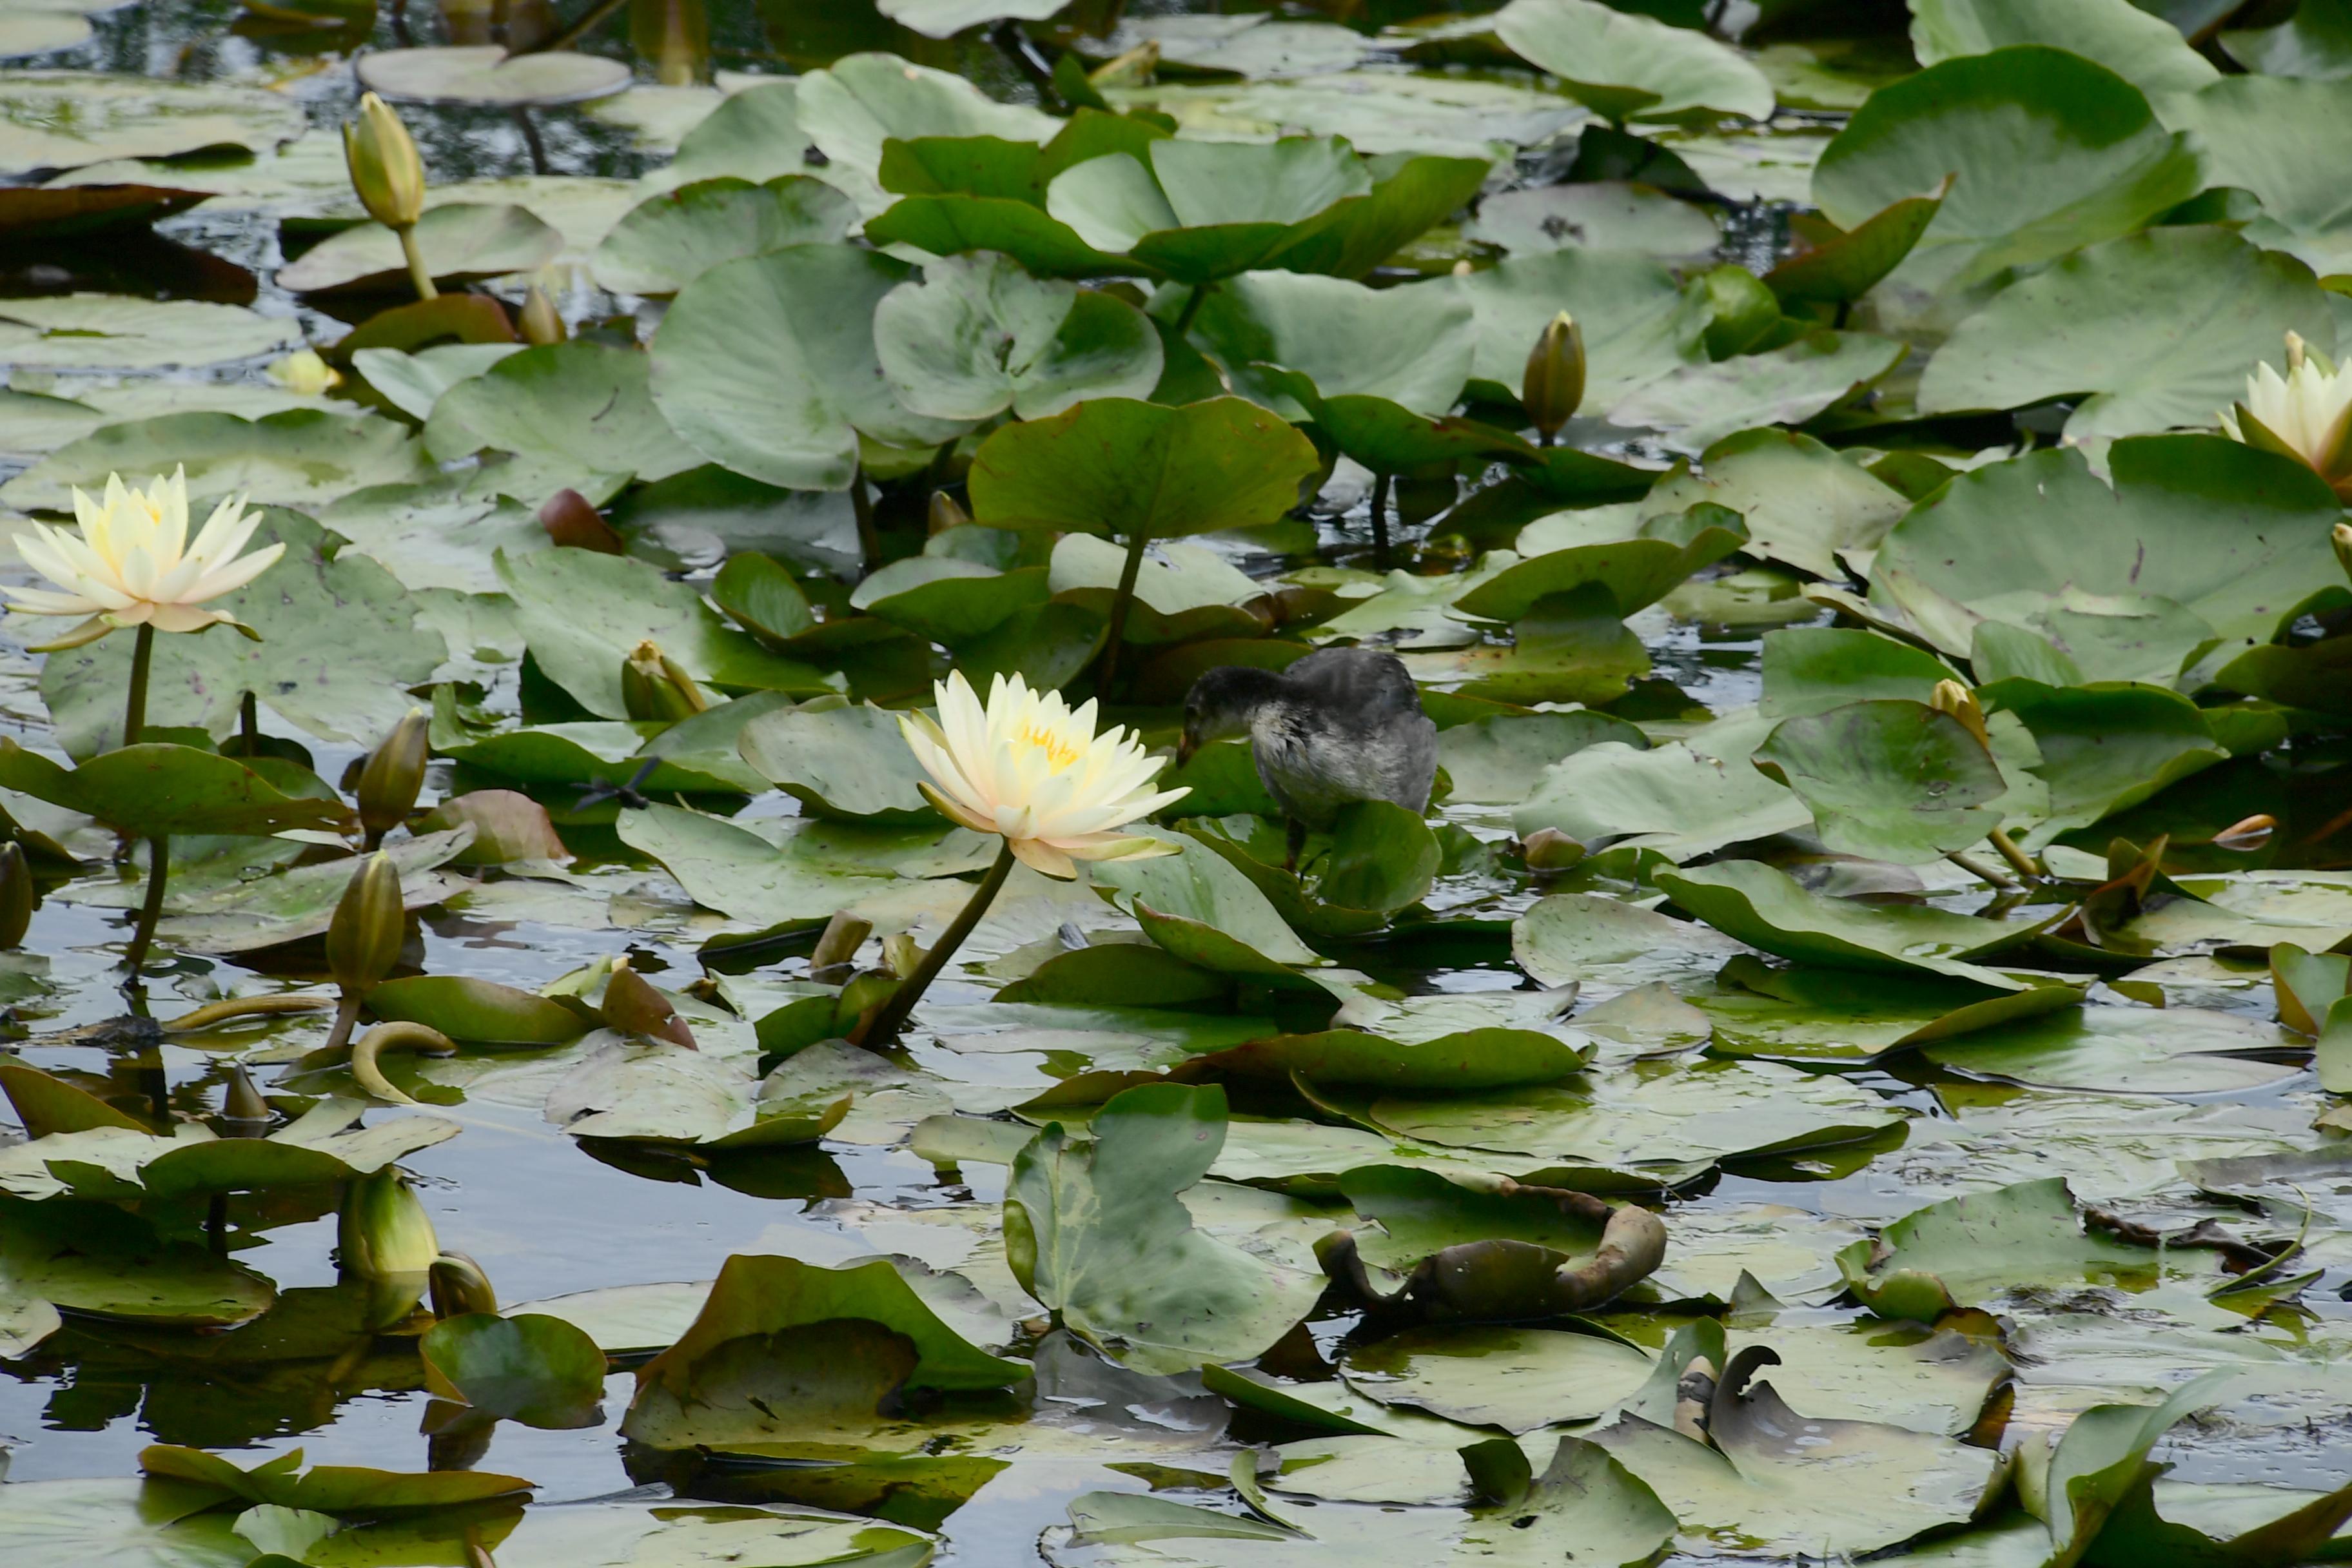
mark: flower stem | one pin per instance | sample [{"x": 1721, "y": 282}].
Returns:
[
  {"x": 861, "y": 503},
  {"x": 134, "y": 704},
  {"x": 1118, "y": 605},
  {"x": 893, "y": 1017},
  {"x": 142, "y": 936},
  {"x": 1380, "y": 522},
  {"x": 418, "y": 273}
]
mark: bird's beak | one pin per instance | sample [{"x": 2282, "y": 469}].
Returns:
[{"x": 1185, "y": 747}]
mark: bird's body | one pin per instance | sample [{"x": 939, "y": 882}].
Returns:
[{"x": 1338, "y": 726}]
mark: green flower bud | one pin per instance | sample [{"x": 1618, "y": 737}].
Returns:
[
  {"x": 392, "y": 776},
  {"x": 365, "y": 936},
  {"x": 241, "y": 1102},
  {"x": 1550, "y": 849},
  {"x": 459, "y": 1285},
  {"x": 385, "y": 170},
  {"x": 1952, "y": 696},
  {"x": 655, "y": 687},
  {"x": 543, "y": 323},
  {"x": 2342, "y": 539},
  {"x": 947, "y": 512},
  {"x": 1553, "y": 386},
  {"x": 384, "y": 1232},
  {"x": 17, "y": 895}
]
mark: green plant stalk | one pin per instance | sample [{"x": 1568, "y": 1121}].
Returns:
[
  {"x": 1380, "y": 521},
  {"x": 1201, "y": 292},
  {"x": 893, "y": 1017},
  {"x": 419, "y": 274},
  {"x": 1116, "y": 636},
  {"x": 870, "y": 539},
  {"x": 142, "y": 935},
  {"x": 249, "y": 724},
  {"x": 347, "y": 1018},
  {"x": 134, "y": 701}
]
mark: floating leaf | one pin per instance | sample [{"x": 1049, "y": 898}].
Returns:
[
  {"x": 459, "y": 241},
  {"x": 542, "y": 1371},
  {"x": 63, "y": 119},
  {"x": 304, "y": 456},
  {"x": 980, "y": 336},
  {"x": 1629, "y": 67},
  {"x": 667, "y": 241},
  {"x": 490, "y": 74},
  {"x": 581, "y": 408},
  {"x": 1765, "y": 907},
  {"x": 110, "y": 331}
]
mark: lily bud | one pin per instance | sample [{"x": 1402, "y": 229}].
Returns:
[
  {"x": 1553, "y": 386},
  {"x": 241, "y": 1102},
  {"x": 2342, "y": 539},
  {"x": 392, "y": 776},
  {"x": 365, "y": 936},
  {"x": 633, "y": 1006},
  {"x": 947, "y": 512},
  {"x": 385, "y": 169},
  {"x": 384, "y": 1232},
  {"x": 458, "y": 1286},
  {"x": 575, "y": 524},
  {"x": 2247, "y": 834},
  {"x": 17, "y": 895},
  {"x": 843, "y": 935},
  {"x": 1550, "y": 849},
  {"x": 655, "y": 687},
  {"x": 1952, "y": 696},
  {"x": 542, "y": 323}
]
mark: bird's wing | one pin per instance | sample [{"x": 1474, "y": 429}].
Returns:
[{"x": 1354, "y": 688}]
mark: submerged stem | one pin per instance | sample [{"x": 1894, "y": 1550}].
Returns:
[
  {"x": 419, "y": 275},
  {"x": 134, "y": 703},
  {"x": 1116, "y": 636},
  {"x": 893, "y": 1017},
  {"x": 142, "y": 936}
]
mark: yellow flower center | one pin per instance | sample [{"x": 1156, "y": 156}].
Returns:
[{"x": 1060, "y": 750}]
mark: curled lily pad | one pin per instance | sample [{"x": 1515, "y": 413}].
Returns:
[
  {"x": 539, "y": 1371},
  {"x": 1204, "y": 909},
  {"x": 1631, "y": 573},
  {"x": 338, "y": 1489},
  {"x": 466, "y": 1007},
  {"x": 489, "y": 74}
]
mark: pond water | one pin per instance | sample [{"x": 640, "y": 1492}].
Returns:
[{"x": 1833, "y": 1101}]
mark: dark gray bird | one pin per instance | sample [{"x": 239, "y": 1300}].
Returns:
[{"x": 1344, "y": 725}]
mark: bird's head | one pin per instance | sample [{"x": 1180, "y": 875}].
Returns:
[{"x": 1220, "y": 705}]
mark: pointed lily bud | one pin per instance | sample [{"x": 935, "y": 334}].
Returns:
[
  {"x": 384, "y": 1232},
  {"x": 241, "y": 1102},
  {"x": 633, "y": 1006},
  {"x": 17, "y": 895},
  {"x": 365, "y": 936},
  {"x": 392, "y": 776},
  {"x": 947, "y": 512},
  {"x": 1553, "y": 386},
  {"x": 2247, "y": 834},
  {"x": 459, "y": 1285},
  {"x": 385, "y": 169},
  {"x": 843, "y": 935},
  {"x": 1952, "y": 696},
  {"x": 1550, "y": 849},
  {"x": 655, "y": 687},
  {"x": 575, "y": 524},
  {"x": 2342, "y": 540},
  {"x": 543, "y": 323}
]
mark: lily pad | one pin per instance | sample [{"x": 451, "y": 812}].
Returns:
[
  {"x": 767, "y": 365},
  {"x": 1629, "y": 67},
  {"x": 668, "y": 240},
  {"x": 111, "y": 331},
  {"x": 1638, "y": 324},
  {"x": 466, "y": 1007},
  {"x": 1099, "y": 1234},
  {"x": 2144, "y": 48},
  {"x": 1516, "y": 1379},
  {"x": 302, "y": 457},
  {"x": 1888, "y": 780},
  {"x": 1323, "y": 328},
  {"x": 63, "y": 120},
  {"x": 1605, "y": 214},
  {"x": 582, "y": 408},
  {"x": 1765, "y": 907},
  {"x": 152, "y": 789},
  {"x": 980, "y": 336},
  {"x": 1698, "y": 405},
  {"x": 459, "y": 240},
  {"x": 97, "y": 1259},
  {"x": 488, "y": 74},
  {"x": 539, "y": 1371}
]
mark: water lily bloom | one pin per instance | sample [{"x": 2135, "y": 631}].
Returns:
[
  {"x": 2305, "y": 414},
  {"x": 1031, "y": 768},
  {"x": 132, "y": 564}
]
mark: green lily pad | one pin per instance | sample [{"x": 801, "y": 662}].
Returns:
[
  {"x": 1204, "y": 909},
  {"x": 539, "y": 1371},
  {"x": 2051, "y": 152},
  {"x": 1605, "y": 214},
  {"x": 851, "y": 108},
  {"x": 1967, "y": 1251},
  {"x": 63, "y": 119},
  {"x": 849, "y": 764},
  {"x": 1637, "y": 321},
  {"x": 136, "y": 1523},
  {"x": 1599, "y": 942},
  {"x": 1802, "y": 503},
  {"x": 1699, "y": 405},
  {"x": 667, "y": 241},
  {"x": 654, "y": 1091},
  {"x": 1516, "y": 1379},
  {"x": 2081, "y": 327},
  {"x": 2248, "y": 125},
  {"x": 1806, "y": 1013},
  {"x": 1685, "y": 798},
  {"x": 582, "y": 409},
  {"x": 337, "y": 1490},
  {"x": 1842, "y": 266},
  {"x": 1119, "y": 467},
  {"x": 741, "y": 875},
  {"x": 1498, "y": 761},
  {"x": 980, "y": 336},
  {"x": 1467, "y": 1059},
  {"x": 1888, "y": 780},
  {"x": 1632, "y": 574},
  {"x": 2315, "y": 42},
  {"x": 489, "y": 74},
  {"x": 2145, "y": 50},
  {"x": 112, "y": 331},
  {"x": 767, "y": 365},
  {"x": 302, "y": 457},
  {"x": 1417, "y": 356},
  {"x": 1629, "y": 67},
  {"x": 97, "y": 1259},
  {"x": 2107, "y": 747},
  {"x": 1099, "y": 1234},
  {"x": 1765, "y": 908},
  {"x": 459, "y": 241},
  {"x": 154, "y": 789},
  {"x": 583, "y": 614},
  {"x": 2232, "y": 534},
  {"x": 413, "y": 382},
  {"x": 946, "y": 18},
  {"x": 2171, "y": 1050}
]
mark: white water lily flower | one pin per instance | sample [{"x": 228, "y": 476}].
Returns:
[
  {"x": 1028, "y": 767},
  {"x": 131, "y": 563},
  {"x": 2305, "y": 414}
]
